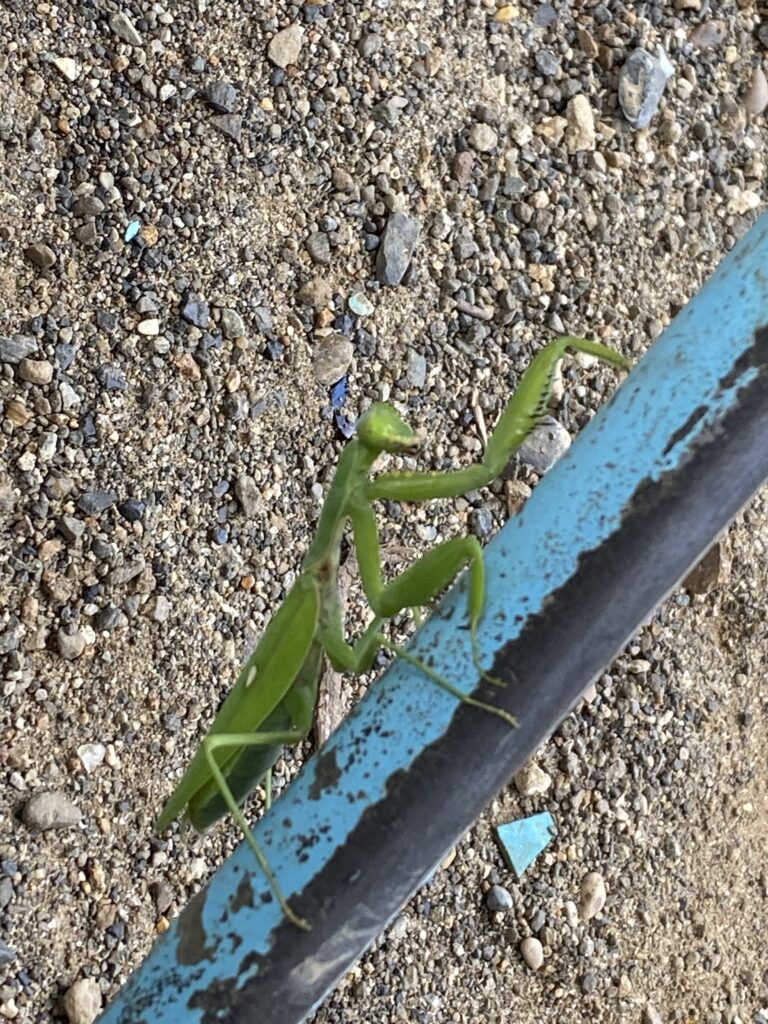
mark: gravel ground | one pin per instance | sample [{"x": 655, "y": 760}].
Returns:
[{"x": 205, "y": 222}]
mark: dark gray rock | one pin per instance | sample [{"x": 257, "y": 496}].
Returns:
[
  {"x": 16, "y": 347},
  {"x": 221, "y": 96},
  {"x": 641, "y": 85},
  {"x": 397, "y": 246},
  {"x": 93, "y": 503}
]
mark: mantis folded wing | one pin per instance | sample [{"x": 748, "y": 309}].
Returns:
[{"x": 273, "y": 700}]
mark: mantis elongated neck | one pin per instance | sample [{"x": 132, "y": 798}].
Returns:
[{"x": 352, "y": 472}]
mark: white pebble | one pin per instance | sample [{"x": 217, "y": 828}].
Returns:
[
  {"x": 91, "y": 755},
  {"x": 592, "y": 896},
  {"x": 532, "y": 952}
]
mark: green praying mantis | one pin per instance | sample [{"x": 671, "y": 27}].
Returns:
[{"x": 272, "y": 704}]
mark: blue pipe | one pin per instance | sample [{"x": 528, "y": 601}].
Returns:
[{"x": 607, "y": 534}]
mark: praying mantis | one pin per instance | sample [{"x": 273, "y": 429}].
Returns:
[{"x": 272, "y": 703}]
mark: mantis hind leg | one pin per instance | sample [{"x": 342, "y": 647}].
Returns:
[
  {"x": 223, "y": 740},
  {"x": 445, "y": 684}
]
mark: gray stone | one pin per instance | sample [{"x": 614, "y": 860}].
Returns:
[
  {"x": 7, "y": 955},
  {"x": 232, "y": 325},
  {"x": 93, "y": 503},
  {"x": 159, "y": 608},
  {"x": 642, "y": 80},
  {"x": 388, "y": 111},
  {"x": 124, "y": 29},
  {"x": 285, "y": 46},
  {"x": 110, "y": 618},
  {"x": 196, "y": 312},
  {"x": 88, "y": 206},
  {"x": 331, "y": 358},
  {"x": 262, "y": 319},
  {"x": 36, "y": 371},
  {"x": 249, "y": 495},
  {"x": 230, "y": 125},
  {"x": 221, "y": 96},
  {"x": 71, "y": 528},
  {"x": 41, "y": 255},
  {"x": 398, "y": 243},
  {"x": 756, "y": 99},
  {"x": 71, "y": 645},
  {"x": 16, "y": 347},
  {"x": 162, "y": 896},
  {"x": 319, "y": 247},
  {"x": 82, "y": 1001},
  {"x": 416, "y": 369},
  {"x": 545, "y": 444},
  {"x": 532, "y": 953},
  {"x": 45, "y": 811},
  {"x": 6, "y": 892},
  {"x": 498, "y": 898}
]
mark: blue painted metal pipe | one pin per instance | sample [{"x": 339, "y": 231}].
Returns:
[{"x": 608, "y": 533}]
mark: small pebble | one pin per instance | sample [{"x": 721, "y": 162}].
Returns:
[
  {"x": 285, "y": 47},
  {"x": 580, "y": 130},
  {"x": 17, "y": 347},
  {"x": 397, "y": 246},
  {"x": 756, "y": 99},
  {"x": 36, "y": 371},
  {"x": 483, "y": 138},
  {"x": 532, "y": 953},
  {"x": 124, "y": 29},
  {"x": 68, "y": 68},
  {"x": 52, "y": 810},
  {"x": 91, "y": 755},
  {"x": 360, "y": 305},
  {"x": 93, "y": 503},
  {"x": 641, "y": 85},
  {"x": 70, "y": 645},
  {"x": 652, "y": 1016},
  {"x": 221, "y": 96},
  {"x": 232, "y": 325},
  {"x": 331, "y": 358},
  {"x": 41, "y": 255},
  {"x": 532, "y": 781},
  {"x": 498, "y": 898},
  {"x": 592, "y": 896},
  {"x": 545, "y": 444},
  {"x": 316, "y": 293},
  {"x": 82, "y": 1001}
]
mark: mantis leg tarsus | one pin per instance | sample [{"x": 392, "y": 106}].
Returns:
[
  {"x": 445, "y": 684},
  {"x": 219, "y": 740}
]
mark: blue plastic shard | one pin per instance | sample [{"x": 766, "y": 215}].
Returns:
[
  {"x": 339, "y": 393},
  {"x": 522, "y": 841},
  {"x": 346, "y": 425},
  {"x": 132, "y": 230}
]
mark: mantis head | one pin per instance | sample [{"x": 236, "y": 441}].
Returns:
[{"x": 382, "y": 429}]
